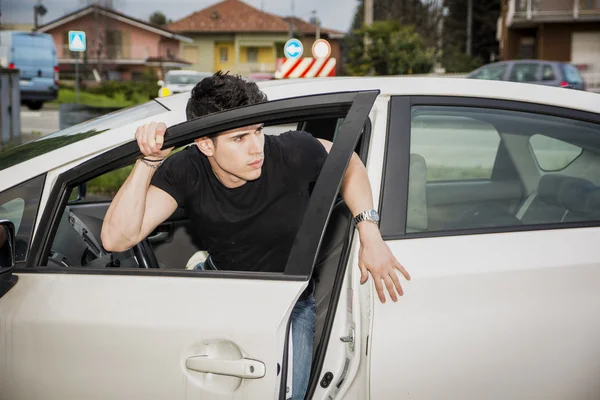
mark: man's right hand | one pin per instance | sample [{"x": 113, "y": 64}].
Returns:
[{"x": 150, "y": 139}]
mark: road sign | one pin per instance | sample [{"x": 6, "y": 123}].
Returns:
[
  {"x": 321, "y": 49},
  {"x": 293, "y": 49},
  {"x": 307, "y": 67},
  {"x": 77, "y": 41}
]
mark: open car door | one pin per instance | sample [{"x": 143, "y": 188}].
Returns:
[{"x": 149, "y": 333}]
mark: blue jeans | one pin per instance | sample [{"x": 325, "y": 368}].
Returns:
[{"x": 304, "y": 316}]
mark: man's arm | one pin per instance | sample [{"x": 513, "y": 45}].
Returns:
[
  {"x": 138, "y": 208},
  {"x": 374, "y": 256}
]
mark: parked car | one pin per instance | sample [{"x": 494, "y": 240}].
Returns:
[
  {"x": 549, "y": 73},
  {"x": 489, "y": 194},
  {"x": 34, "y": 55},
  {"x": 178, "y": 81}
]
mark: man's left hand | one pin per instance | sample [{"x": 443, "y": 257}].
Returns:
[{"x": 376, "y": 258}]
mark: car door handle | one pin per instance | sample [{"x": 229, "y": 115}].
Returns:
[{"x": 245, "y": 368}]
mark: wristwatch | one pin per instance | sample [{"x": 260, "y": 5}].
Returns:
[{"x": 367, "y": 215}]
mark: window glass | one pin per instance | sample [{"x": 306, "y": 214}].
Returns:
[
  {"x": 453, "y": 146},
  {"x": 252, "y": 54},
  {"x": 223, "y": 54},
  {"x": 571, "y": 74},
  {"x": 495, "y": 73},
  {"x": 185, "y": 79},
  {"x": 548, "y": 73},
  {"x": 524, "y": 73},
  {"x": 471, "y": 168},
  {"x": 553, "y": 154},
  {"x": 19, "y": 205}
]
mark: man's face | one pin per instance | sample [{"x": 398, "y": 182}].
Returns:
[{"x": 236, "y": 156}]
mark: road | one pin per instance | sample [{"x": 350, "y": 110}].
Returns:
[{"x": 40, "y": 122}]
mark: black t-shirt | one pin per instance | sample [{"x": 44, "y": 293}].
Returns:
[{"x": 251, "y": 227}]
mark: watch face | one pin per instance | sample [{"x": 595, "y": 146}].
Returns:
[{"x": 374, "y": 215}]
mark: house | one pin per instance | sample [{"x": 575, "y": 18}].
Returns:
[
  {"x": 234, "y": 36},
  {"x": 118, "y": 46},
  {"x": 559, "y": 30}
]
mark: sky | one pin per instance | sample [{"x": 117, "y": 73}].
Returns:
[{"x": 334, "y": 14}]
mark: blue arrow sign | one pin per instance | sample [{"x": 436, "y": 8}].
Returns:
[
  {"x": 293, "y": 49},
  {"x": 77, "y": 41}
]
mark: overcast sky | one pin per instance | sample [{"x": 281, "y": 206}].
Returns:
[{"x": 334, "y": 14}]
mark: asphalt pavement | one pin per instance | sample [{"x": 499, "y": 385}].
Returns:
[{"x": 39, "y": 123}]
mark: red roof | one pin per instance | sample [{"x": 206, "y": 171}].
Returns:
[{"x": 237, "y": 16}]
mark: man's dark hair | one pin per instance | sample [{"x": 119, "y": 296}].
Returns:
[{"x": 222, "y": 92}]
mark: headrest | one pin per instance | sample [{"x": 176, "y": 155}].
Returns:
[{"x": 574, "y": 194}]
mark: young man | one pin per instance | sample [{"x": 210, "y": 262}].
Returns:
[{"x": 246, "y": 194}]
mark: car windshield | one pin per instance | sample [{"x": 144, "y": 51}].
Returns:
[
  {"x": 79, "y": 132},
  {"x": 494, "y": 73},
  {"x": 571, "y": 74},
  {"x": 180, "y": 79}
]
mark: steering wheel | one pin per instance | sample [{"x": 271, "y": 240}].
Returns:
[
  {"x": 144, "y": 254},
  {"x": 89, "y": 229}
]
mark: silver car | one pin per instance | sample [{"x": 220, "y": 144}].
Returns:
[{"x": 549, "y": 73}]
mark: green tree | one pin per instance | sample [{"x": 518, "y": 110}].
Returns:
[
  {"x": 393, "y": 49},
  {"x": 158, "y": 18},
  {"x": 484, "y": 46}
]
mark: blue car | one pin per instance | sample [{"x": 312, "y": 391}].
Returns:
[
  {"x": 34, "y": 55},
  {"x": 548, "y": 73}
]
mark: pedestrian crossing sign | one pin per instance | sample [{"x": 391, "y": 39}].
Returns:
[{"x": 77, "y": 41}]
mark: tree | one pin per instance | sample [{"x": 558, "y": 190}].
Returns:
[
  {"x": 394, "y": 49},
  {"x": 425, "y": 15},
  {"x": 483, "y": 45},
  {"x": 158, "y": 18}
]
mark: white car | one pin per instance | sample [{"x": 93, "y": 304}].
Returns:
[
  {"x": 179, "y": 81},
  {"x": 489, "y": 195}
]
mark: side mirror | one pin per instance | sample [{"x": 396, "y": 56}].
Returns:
[
  {"x": 7, "y": 246},
  {"x": 161, "y": 83}
]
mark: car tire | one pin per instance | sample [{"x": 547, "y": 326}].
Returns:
[{"x": 35, "y": 105}]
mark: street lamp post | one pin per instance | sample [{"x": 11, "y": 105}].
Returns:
[{"x": 38, "y": 9}]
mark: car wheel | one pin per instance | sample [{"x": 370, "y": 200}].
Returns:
[{"x": 35, "y": 105}]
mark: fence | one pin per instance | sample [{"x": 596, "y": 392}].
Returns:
[{"x": 10, "y": 106}]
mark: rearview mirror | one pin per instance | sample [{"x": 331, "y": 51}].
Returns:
[
  {"x": 7, "y": 246},
  {"x": 161, "y": 83}
]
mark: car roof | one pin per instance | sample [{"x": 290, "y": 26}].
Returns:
[{"x": 277, "y": 89}]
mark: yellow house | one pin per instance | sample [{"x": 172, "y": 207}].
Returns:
[{"x": 234, "y": 36}]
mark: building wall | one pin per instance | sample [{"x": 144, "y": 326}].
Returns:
[
  {"x": 137, "y": 43},
  {"x": 202, "y": 50},
  {"x": 553, "y": 41}
]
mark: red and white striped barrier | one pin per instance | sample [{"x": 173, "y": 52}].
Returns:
[{"x": 306, "y": 67}]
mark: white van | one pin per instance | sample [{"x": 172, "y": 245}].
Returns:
[{"x": 34, "y": 55}]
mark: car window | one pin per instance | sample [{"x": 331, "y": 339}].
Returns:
[
  {"x": 524, "y": 72},
  {"x": 454, "y": 147},
  {"x": 571, "y": 74},
  {"x": 553, "y": 154},
  {"x": 180, "y": 79},
  {"x": 19, "y": 205},
  {"x": 451, "y": 146},
  {"x": 495, "y": 73},
  {"x": 548, "y": 73}
]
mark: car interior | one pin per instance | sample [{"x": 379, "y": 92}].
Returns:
[
  {"x": 173, "y": 243},
  {"x": 542, "y": 172}
]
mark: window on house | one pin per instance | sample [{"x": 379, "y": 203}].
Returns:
[
  {"x": 252, "y": 54},
  {"x": 223, "y": 54}
]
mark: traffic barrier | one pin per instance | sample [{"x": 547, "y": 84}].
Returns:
[{"x": 306, "y": 67}]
